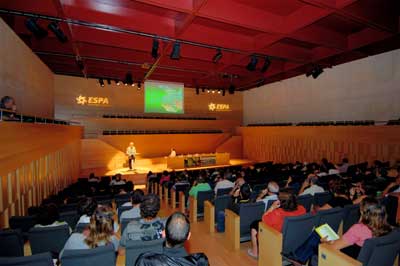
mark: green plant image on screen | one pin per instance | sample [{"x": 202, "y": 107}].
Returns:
[{"x": 163, "y": 97}]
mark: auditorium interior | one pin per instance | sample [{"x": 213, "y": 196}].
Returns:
[{"x": 236, "y": 132}]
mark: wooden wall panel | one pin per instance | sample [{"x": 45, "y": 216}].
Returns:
[
  {"x": 160, "y": 145},
  {"x": 288, "y": 144},
  {"x": 35, "y": 161}
]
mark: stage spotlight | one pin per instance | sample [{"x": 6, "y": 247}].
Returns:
[
  {"x": 315, "y": 72},
  {"x": 35, "y": 28},
  {"x": 55, "y": 28},
  {"x": 154, "y": 49},
  {"x": 223, "y": 92},
  {"x": 231, "y": 89},
  {"x": 197, "y": 90},
  {"x": 176, "y": 51},
  {"x": 253, "y": 63},
  {"x": 217, "y": 56},
  {"x": 117, "y": 82},
  {"x": 139, "y": 86},
  {"x": 101, "y": 82},
  {"x": 266, "y": 65}
]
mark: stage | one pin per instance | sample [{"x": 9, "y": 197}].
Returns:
[{"x": 156, "y": 165}]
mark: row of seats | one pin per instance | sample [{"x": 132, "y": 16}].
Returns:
[
  {"x": 4, "y": 116},
  {"x": 323, "y": 123},
  {"x": 140, "y": 132},
  {"x": 157, "y": 117}
]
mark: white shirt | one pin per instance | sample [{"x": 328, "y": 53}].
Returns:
[
  {"x": 116, "y": 183},
  {"x": 223, "y": 184},
  {"x": 172, "y": 154},
  {"x": 312, "y": 190},
  {"x": 131, "y": 151}
]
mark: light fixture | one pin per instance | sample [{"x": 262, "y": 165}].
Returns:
[
  {"x": 139, "y": 86},
  {"x": 231, "y": 89},
  {"x": 109, "y": 81},
  {"x": 176, "y": 51},
  {"x": 101, "y": 82},
  {"x": 203, "y": 89},
  {"x": 55, "y": 28},
  {"x": 219, "y": 91},
  {"x": 197, "y": 90},
  {"x": 208, "y": 91},
  {"x": 217, "y": 56},
  {"x": 266, "y": 65},
  {"x": 37, "y": 31},
  {"x": 117, "y": 82},
  {"x": 128, "y": 79},
  {"x": 213, "y": 91},
  {"x": 253, "y": 63},
  {"x": 223, "y": 92},
  {"x": 154, "y": 49},
  {"x": 315, "y": 72}
]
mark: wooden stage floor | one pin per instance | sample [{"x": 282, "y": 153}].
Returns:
[{"x": 156, "y": 165}]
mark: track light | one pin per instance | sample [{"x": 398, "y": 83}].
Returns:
[
  {"x": 35, "y": 28},
  {"x": 139, "y": 86},
  {"x": 197, "y": 90},
  {"x": 219, "y": 91},
  {"x": 128, "y": 79},
  {"x": 154, "y": 49},
  {"x": 213, "y": 91},
  {"x": 208, "y": 91},
  {"x": 223, "y": 92},
  {"x": 231, "y": 89},
  {"x": 117, "y": 82},
  {"x": 266, "y": 65},
  {"x": 109, "y": 81},
  {"x": 253, "y": 63},
  {"x": 217, "y": 56},
  {"x": 55, "y": 28},
  {"x": 176, "y": 51},
  {"x": 101, "y": 82},
  {"x": 203, "y": 89},
  {"x": 315, "y": 72}
]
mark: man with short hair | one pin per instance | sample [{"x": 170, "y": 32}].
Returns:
[
  {"x": 222, "y": 183},
  {"x": 137, "y": 197},
  {"x": 310, "y": 186},
  {"x": 269, "y": 193},
  {"x": 177, "y": 231}
]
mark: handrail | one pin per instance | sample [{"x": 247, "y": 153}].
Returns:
[
  {"x": 23, "y": 118},
  {"x": 329, "y": 123}
]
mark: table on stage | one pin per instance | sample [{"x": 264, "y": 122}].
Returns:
[{"x": 198, "y": 160}]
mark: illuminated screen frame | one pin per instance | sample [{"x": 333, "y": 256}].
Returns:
[{"x": 160, "y": 84}]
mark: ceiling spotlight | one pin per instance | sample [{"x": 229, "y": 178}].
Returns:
[
  {"x": 223, "y": 92},
  {"x": 139, "y": 85},
  {"x": 315, "y": 72},
  {"x": 176, "y": 51},
  {"x": 253, "y": 63},
  {"x": 101, "y": 82},
  {"x": 154, "y": 49},
  {"x": 208, "y": 91},
  {"x": 217, "y": 56},
  {"x": 128, "y": 79},
  {"x": 231, "y": 89},
  {"x": 197, "y": 90},
  {"x": 117, "y": 82},
  {"x": 35, "y": 28},
  {"x": 219, "y": 91},
  {"x": 55, "y": 28},
  {"x": 109, "y": 81},
  {"x": 266, "y": 65},
  {"x": 133, "y": 85},
  {"x": 213, "y": 91}
]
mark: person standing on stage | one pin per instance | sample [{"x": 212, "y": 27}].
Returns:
[
  {"x": 173, "y": 153},
  {"x": 131, "y": 152}
]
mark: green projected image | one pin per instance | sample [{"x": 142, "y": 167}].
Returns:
[{"x": 163, "y": 97}]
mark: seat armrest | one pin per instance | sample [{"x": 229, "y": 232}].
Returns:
[
  {"x": 173, "y": 198},
  {"x": 182, "y": 202},
  {"x": 209, "y": 216},
  {"x": 159, "y": 191},
  {"x": 166, "y": 195},
  {"x": 329, "y": 256},
  {"x": 232, "y": 230},
  {"x": 192, "y": 209},
  {"x": 269, "y": 246}
]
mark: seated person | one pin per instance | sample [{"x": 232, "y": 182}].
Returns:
[
  {"x": 48, "y": 216},
  {"x": 8, "y": 103},
  {"x": 177, "y": 231},
  {"x": 222, "y": 183},
  {"x": 241, "y": 196},
  {"x": 238, "y": 183},
  {"x": 342, "y": 168},
  {"x": 153, "y": 259},
  {"x": 93, "y": 178},
  {"x": 181, "y": 180},
  {"x": 117, "y": 181},
  {"x": 199, "y": 185},
  {"x": 310, "y": 186},
  {"x": 340, "y": 198},
  {"x": 286, "y": 206},
  {"x": 137, "y": 198},
  {"x": 86, "y": 208},
  {"x": 99, "y": 233},
  {"x": 392, "y": 187},
  {"x": 357, "y": 193},
  {"x": 173, "y": 153},
  {"x": 165, "y": 177},
  {"x": 270, "y": 193},
  {"x": 149, "y": 227}
]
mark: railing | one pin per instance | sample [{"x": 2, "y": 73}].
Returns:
[
  {"x": 147, "y": 132},
  {"x": 11, "y": 116},
  {"x": 129, "y": 116},
  {"x": 329, "y": 123}
]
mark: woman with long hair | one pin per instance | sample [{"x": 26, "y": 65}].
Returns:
[{"x": 100, "y": 232}]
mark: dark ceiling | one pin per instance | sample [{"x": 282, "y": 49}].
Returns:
[{"x": 113, "y": 37}]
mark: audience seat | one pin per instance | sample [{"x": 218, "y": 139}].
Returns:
[
  {"x": 121, "y": 199},
  {"x": 43, "y": 259},
  {"x": 237, "y": 226},
  {"x": 135, "y": 248},
  {"x": 80, "y": 227},
  {"x": 11, "y": 243},
  {"x": 197, "y": 205},
  {"x": 125, "y": 222},
  {"x": 306, "y": 201},
  {"x": 100, "y": 256},
  {"x": 48, "y": 239},
  {"x": 24, "y": 223},
  {"x": 121, "y": 209},
  {"x": 380, "y": 251},
  {"x": 68, "y": 207},
  {"x": 333, "y": 217},
  {"x": 175, "y": 193},
  {"x": 71, "y": 218},
  {"x": 223, "y": 191},
  {"x": 272, "y": 244},
  {"x": 322, "y": 198},
  {"x": 351, "y": 215},
  {"x": 211, "y": 210}
]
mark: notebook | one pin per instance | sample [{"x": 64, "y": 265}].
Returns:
[{"x": 326, "y": 231}]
